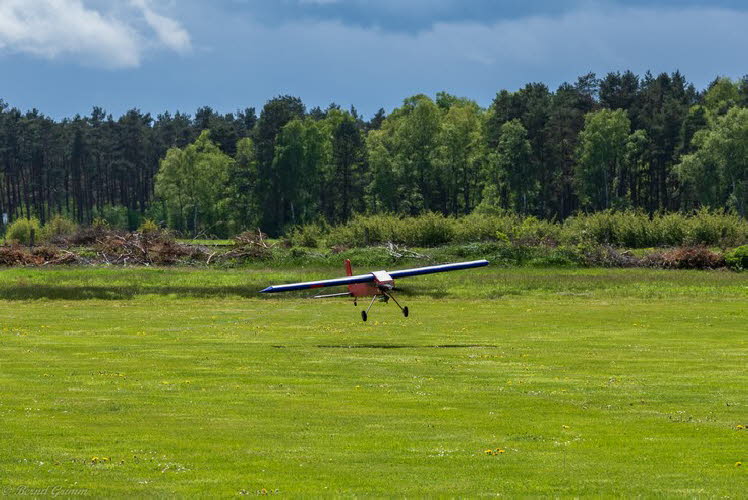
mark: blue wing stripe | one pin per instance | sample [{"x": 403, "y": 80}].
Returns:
[
  {"x": 437, "y": 269},
  {"x": 348, "y": 280}
]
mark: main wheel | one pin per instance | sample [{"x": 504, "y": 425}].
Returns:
[
  {"x": 363, "y": 315},
  {"x": 405, "y": 311}
]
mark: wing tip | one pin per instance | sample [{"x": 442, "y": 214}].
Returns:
[{"x": 267, "y": 290}]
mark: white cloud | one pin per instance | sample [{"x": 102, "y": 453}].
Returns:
[
  {"x": 95, "y": 37},
  {"x": 168, "y": 31}
]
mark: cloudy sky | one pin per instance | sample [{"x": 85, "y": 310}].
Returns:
[{"x": 64, "y": 56}]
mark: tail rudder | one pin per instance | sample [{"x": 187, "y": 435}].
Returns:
[{"x": 348, "y": 272}]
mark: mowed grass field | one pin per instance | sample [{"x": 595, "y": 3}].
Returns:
[{"x": 116, "y": 382}]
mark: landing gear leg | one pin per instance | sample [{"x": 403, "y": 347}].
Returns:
[
  {"x": 403, "y": 309},
  {"x": 365, "y": 314}
]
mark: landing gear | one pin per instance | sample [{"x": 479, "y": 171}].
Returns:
[
  {"x": 403, "y": 309},
  {"x": 384, "y": 297}
]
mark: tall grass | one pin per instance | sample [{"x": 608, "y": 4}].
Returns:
[{"x": 629, "y": 229}]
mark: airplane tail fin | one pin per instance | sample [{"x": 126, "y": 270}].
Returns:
[{"x": 348, "y": 270}]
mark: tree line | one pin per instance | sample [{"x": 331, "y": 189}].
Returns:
[{"x": 652, "y": 143}]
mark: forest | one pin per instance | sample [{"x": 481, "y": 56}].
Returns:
[{"x": 651, "y": 144}]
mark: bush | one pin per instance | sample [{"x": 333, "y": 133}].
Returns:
[
  {"x": 148, "y": 226},
  {"x": 20, "y": 231},
  {"x": 428, "y": 230},
  {"x": 628, "y": 229},
  {"x": 482, "y": 227},
  {"x": 57, "y": 228},
  {"x": 535, "y": 232},
  {"x": 309, "y": 235},
  {"x": 715, "y": 228},
  {"x": 737, "y": 259},
  {"x": 670, "y": 230}
]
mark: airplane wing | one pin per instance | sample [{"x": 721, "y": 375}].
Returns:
[
  {"x": 366, "y": 278},
  {"x": 348, "y": 280},
  {"x": 404, "y": 273}
]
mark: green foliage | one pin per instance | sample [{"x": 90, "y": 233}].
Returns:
[
  {"x": 148, "y": 226},
  {"x": 309, "y": 235},
  {"x": 20, "y": 231},
  {"x": 716, "y": 228},
  {"x": 428, "y": 230},
  {"x": 737, "y": 259},
  {"x": 513, "y": 167},
  {"x": 192, "y": 183},
  {"x": 629, "y": 229},
  {"x": 100, "y": 223},
  {"x": 115, "y": 217},
  {"x": 57, "y": 226},
  {"x": 602, "y": 158},
  {"x": 716, "y": 174}
]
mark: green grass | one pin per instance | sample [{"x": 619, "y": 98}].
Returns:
[{"x": 594, "y": 382}]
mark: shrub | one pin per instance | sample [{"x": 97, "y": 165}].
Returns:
[
  {"x": 670, "y": 229},
  {"x": 428, "y": 230},
  {"x": 629, "y": 229},
  {"x": 58, "y": 228},
  {"x": 148, "y": 226},
  {"x": 737, "y": 259},
  {"x": 362, "y": 231},
  {"x": 309, "y": 236},
  {"x": 482, "y": 227},
  {"x": 100, "y": 223},
  {"x": 20, "y": 231},
  {"x": 715, "y": 228},
  {"x": 533, "y": 231}
]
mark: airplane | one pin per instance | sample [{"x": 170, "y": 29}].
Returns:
[{"x": 377, "y": 284}]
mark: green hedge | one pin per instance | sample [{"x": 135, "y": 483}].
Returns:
[{"x": 629, "y": 229}]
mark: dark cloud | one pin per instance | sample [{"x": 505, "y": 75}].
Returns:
[{"x": 241, "y": 58}]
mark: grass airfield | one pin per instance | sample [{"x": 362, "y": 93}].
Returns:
[{"x": 502, "y": 382}]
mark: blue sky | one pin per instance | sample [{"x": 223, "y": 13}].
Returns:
[{"x": 64, "y": 56}]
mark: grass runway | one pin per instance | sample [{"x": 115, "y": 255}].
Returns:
[{"x": 183, "y": 382}]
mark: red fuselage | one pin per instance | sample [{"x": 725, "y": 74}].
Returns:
[{"x": 381, "y": 278}]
